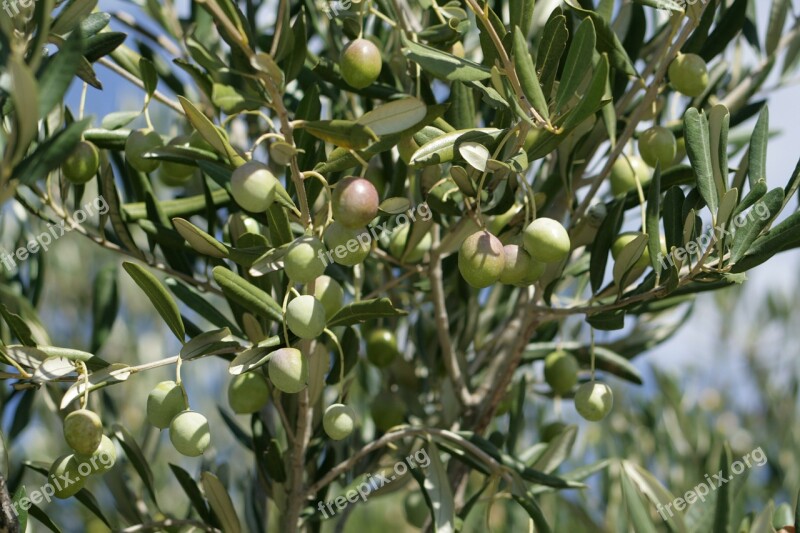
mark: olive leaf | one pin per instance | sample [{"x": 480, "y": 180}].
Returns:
[{"x": 158, "y": 295}]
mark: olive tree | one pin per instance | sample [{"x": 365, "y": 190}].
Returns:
[{"x": 381, "y": 216}]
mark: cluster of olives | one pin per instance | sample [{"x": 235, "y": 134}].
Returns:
[
  {"x": 94, "y": 453},
  {"x": 167, "y": 408},
  {"x": 593, "y": 400},
  {"x": 483, "y": 260}
]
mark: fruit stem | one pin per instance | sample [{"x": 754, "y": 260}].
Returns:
[{"x": 335, "y": 341}]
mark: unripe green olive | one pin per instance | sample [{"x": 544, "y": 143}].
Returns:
[
  {"x": 382, "y": 347},
  {"x": 387, "y": 411},
  {"x": 248, "y": 392},
  {"x": 519, "y": 268},
  {"x": 65, "y": 478},
  {"x": 481, "y": 259},
  {"x": 624, "y": 173},
  {"x": 176, "y": 174},
  {"x": 397, "y": 245},
  {"x": 81, "y": 165},
  {"x": 360, "y": 63},
  {"x": 593, "y": 401},
  {"x": 657, "y": 145},
  {"x": 164, "y": 402},
  {"x": 288, "y": 370},
  {"x": 355, "y": 202},
  {"x": 416, "y": 509},
  {"x": 339, "y": 421},
  {"x": 561, "y": 371},
  {"x": 305, "y": 317},
  {"x": 345, "y": 246},
  {"x": 197, "y": 141},
  {"x": 330, "y": 294},
  {"x": 622, "y": 241},
  {"x": 689, "y": 74},
  {"x": 254, "y": 187},
  {"x": 546, "y": 240},
  {"x": 103, "y": 457},
  {"x": 189, "y": 433},
  {"x": 302, "y": 262},
  {"x": 552, "y": 430},
  {"x": 83, "y": 431},
  {"x": 140, "y": 142}
]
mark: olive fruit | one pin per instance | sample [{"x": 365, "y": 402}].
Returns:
[
  {"x": 140, "y": 142},
  {"x": 561, "y": 371},
  {"x": 248, "y": 392},
  {"x": 360, "y": 63},
  {"x": 176, "y": 174},
  {"x": 622, "y": 241},
  {"x": 625, "y": 171},
  {"x": 189, "y": 433},
  {"x": 330, "y": 294},
  {"x": 657, "y": 145},
  {"x": 305, "y": 317},
  {"x": 520, "y": 268},
  {"x": 387, "y": 411},
  {"x": 416, "y": 509},
  {"x": 82, "y": 163},
  {"x": 254, "y": 187},
  {"x": 66, "y": 478},
  {"x": 593, "y": 401},
  {"x": 288, "y": 370},
  {"x": 355, "y": 202},
  {"x": 397, "y": 245},
  {"x": 83, "y": 431},
  {"x": 164, "y": 402},
  {"x": 546, "y": 240},
  {"x": 688, "y": 73},
  {"x": 481, "y": 259},
  {"x": 552, "y": 430},
  {"x": 345, "y": 245},
  {"x": 103, "y": 457},
  {"x": 338, "y": 421},
  {"x": 382, "y": 347},
  {"x": 303, "y": 263}
]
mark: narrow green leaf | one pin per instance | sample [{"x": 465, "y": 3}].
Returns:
[
  {"x": 526, "y": 70},
  {"x": 242, "y": 292},
  {"x": 439, "y": 494},
  {"x": 220, "y": 502},
  {"x": 189, "y": 486},
  {"x": 364, "y": 310},
  {"x": 57, "y": 74},
  {"x": 653, "y": 217},
  {"x": 724, "y": 508},
  {"x": 757, "y": 220},
  {"x": 758, "y": 149},
  {"x": 105, "y": 305},
  {"x": 50, "y": 154},
  {"x": 443, "y": 65},
  {"x": 159, "y": 296},
  {"x": 137, "y": 458},
  {"x": 698, "y": 146},
  {"x": 575, "y": 67},
  {"x": 551, "y": 48}
]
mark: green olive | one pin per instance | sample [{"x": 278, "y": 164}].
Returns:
[
  {"x": 176, "y": 174},
  {"x": 304, "y": 260},
  {"x": 65, "y": 477},
  {"x": 561, "y": 371},
  {"x": 81, "y": 165},
  {"x": 83, "y": 431},
  {"x": 688, "y": 73},
  {"x": 348, "y": 247},
  {"x": 481, "y": 259},
  {"x": 657, "y": 145},
  {"x": 387, "y": 411},
  {"x": 305, "y": 317},
  {"x": 382, "y": 347},
  {"x": 330, "y": 293},
  {"x": 593, "y": 401},
  {"x": 397, "y": 245},
  {"x": 552, "y": 430},
  {"x": 625, "y": 171},
  {"x": 339, "y": 421},
  {"x": 288, "y": 370},
  {"x": 416, "y": 509},
  {"x": 254, "y": 187},
  {"x": 189, "y": 433},
  {"x": 546, "y": 240},
  {"x": 360, "y": 63},
  {"x": 140, "y": 142},
  {"x": 164, "y": 402},
  {"x": 248, "y": 393},
  {"x": 520, "y": 268}
]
